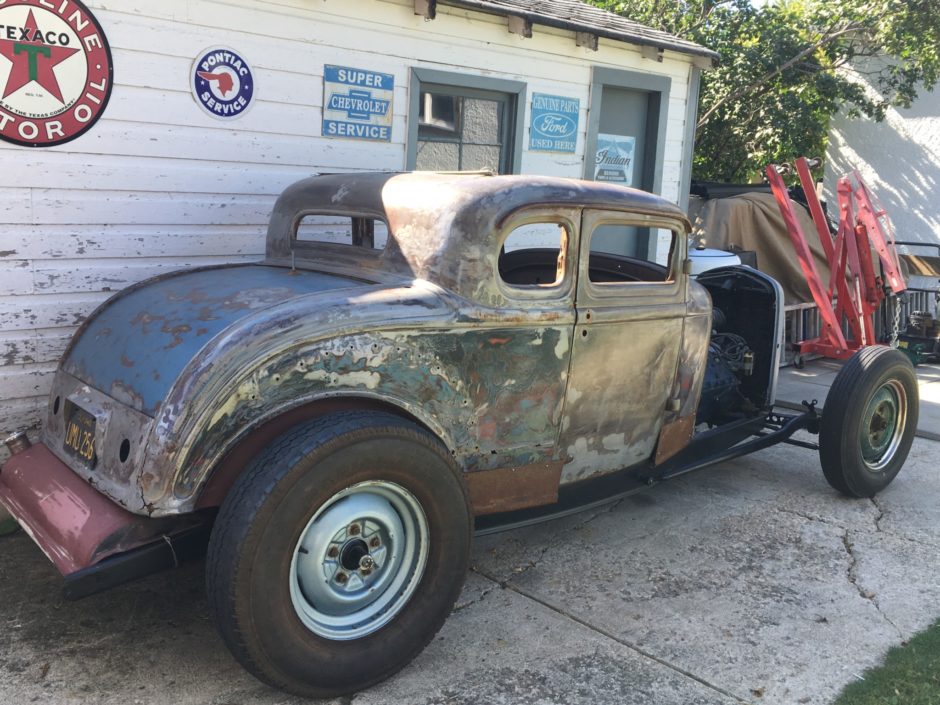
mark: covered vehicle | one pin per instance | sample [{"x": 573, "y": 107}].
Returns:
[{"x": 418, "y": 356}]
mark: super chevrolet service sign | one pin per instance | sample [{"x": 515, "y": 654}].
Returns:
[{"x": 357, "y": 104}]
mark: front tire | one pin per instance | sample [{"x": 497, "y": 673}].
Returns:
[
  {"x": 339, "y": 553},
  {"x": 869, "y": 421}
]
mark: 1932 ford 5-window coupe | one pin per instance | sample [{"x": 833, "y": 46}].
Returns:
[{"x": 419, "y": 356}]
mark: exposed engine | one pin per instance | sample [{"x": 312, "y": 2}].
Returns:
[
  {"x": 741, "y": 367},
  {"x": 729, "y": 359}
]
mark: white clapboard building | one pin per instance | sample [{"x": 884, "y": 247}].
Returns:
[{"x": 140, "y": 137}]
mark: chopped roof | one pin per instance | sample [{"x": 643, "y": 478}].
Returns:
[{"x": 578, "y": 16}]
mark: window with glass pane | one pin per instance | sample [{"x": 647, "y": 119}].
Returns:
[{"x": 461, "y": 132}]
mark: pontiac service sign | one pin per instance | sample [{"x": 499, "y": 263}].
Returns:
[
  {"x": 554, "y": 125},
  {"x": 55, "y": 71},
  {"x": 357, "y": 104},
  {"x": 222, "y": 83}
]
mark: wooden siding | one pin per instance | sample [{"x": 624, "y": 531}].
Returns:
[{"x": 158, "y": 185}]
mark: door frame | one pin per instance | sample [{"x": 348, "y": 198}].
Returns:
[{"x": 659, "y": 89}]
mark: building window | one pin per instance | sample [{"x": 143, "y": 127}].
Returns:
[
  {"x": 459, "y": 133},
  {"x": 464, "y": 123}
]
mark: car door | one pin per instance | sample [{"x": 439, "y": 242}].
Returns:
[{"x": 631, "y": 303}]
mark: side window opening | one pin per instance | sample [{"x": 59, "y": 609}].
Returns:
[
  {"x": 534, "y": 255},
  {"x": 356, "y": 231},
  {"x": 623, "y": 253}
]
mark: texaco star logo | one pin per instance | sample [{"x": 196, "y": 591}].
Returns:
[{"x": 55, "y": 71}]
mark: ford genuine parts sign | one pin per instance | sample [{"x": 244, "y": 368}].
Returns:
[
  {"x": 357, "y": 104},
  {"x": 554, "y": 125}
]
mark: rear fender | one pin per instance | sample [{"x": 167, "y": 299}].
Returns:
[
  {"x": 447, "y": 380},
  {"x": 220, "y": 479},
  {"x": 395, "y": 371}
]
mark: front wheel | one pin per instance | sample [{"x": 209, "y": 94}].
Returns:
[
  {"x": 339, "y": 553},
  {"x": 869, "y": 421}
]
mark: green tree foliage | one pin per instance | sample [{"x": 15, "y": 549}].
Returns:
[{"x": 782, "y": 72}]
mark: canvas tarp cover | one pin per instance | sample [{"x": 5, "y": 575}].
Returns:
[{"x": 752, "y": 221}]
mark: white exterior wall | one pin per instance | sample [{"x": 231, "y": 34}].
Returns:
[
  {"x": 158, "y": 185},
  {"x": 899, "y": 158}
]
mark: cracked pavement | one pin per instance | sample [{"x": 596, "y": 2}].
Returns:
[{"x": 749, "y": 582}]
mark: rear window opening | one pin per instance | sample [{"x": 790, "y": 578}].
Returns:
[
  {"x": 355, "y": 231},
  {"x": 534, "y": 255}
]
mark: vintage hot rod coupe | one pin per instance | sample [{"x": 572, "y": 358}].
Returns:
[{"x": 418, "y": 356}]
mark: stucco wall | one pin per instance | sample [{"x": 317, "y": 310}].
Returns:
[{"x": 900, "y": 159}]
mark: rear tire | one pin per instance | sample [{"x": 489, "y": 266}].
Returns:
[
  {"x": 339, "y": 553},
  {"x": 868, "y": 422}
]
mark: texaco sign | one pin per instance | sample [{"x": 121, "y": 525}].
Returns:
[{"x": 55, "y": 71}]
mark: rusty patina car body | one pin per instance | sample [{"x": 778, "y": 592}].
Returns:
[{"x": 554, "y": 378}]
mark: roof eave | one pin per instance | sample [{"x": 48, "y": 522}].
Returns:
[{"x": 560, "y": 23}]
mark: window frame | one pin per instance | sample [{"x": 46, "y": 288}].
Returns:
[
  {"x": 357, "y": 231},
  {"x": 607, "y": 293},
  {"x": 325, "y": 246},
  {"x": 510, "y": 94},
  {"x": 560, "y": 291}
]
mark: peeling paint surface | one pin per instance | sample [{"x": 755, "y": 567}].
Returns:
[
  {"x": 450, "y": 379},
  {"x": 506, "y": 376},
  {"x": 139, "y": 342},
  {"x": 622, "y": 372}
]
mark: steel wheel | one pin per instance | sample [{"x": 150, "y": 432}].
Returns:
[
  {"x": 868, "y": 422},
  {"x": 359, "y": 560},
  {"x": 339, "y": 553},
  {"x": 882, "y": 425}
]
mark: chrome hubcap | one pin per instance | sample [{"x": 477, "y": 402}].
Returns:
[{"x": 359, "y": 560}]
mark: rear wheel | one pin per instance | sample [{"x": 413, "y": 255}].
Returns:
[
  {"x": 869, "y": 421},
  {"x": 339, "y": 553}
]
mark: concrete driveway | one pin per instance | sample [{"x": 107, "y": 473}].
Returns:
[{"x": 749, "y": 582}]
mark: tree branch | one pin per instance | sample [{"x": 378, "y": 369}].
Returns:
[{"x": 827, "y": 38}]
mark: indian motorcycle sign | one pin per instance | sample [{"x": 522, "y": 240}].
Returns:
[{"x": 55, "y": 71}]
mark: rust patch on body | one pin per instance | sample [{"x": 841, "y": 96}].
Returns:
[
  {"x": 177, "y": 332},
  {"x": 509, "y": 489},
  {"x": 673, "y": 437},
  {"x": 144, "y": 319}
]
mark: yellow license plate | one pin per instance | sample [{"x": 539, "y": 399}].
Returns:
[
  {"x": 80, "y": 435},
  {"x": 902, "y": 344}
]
